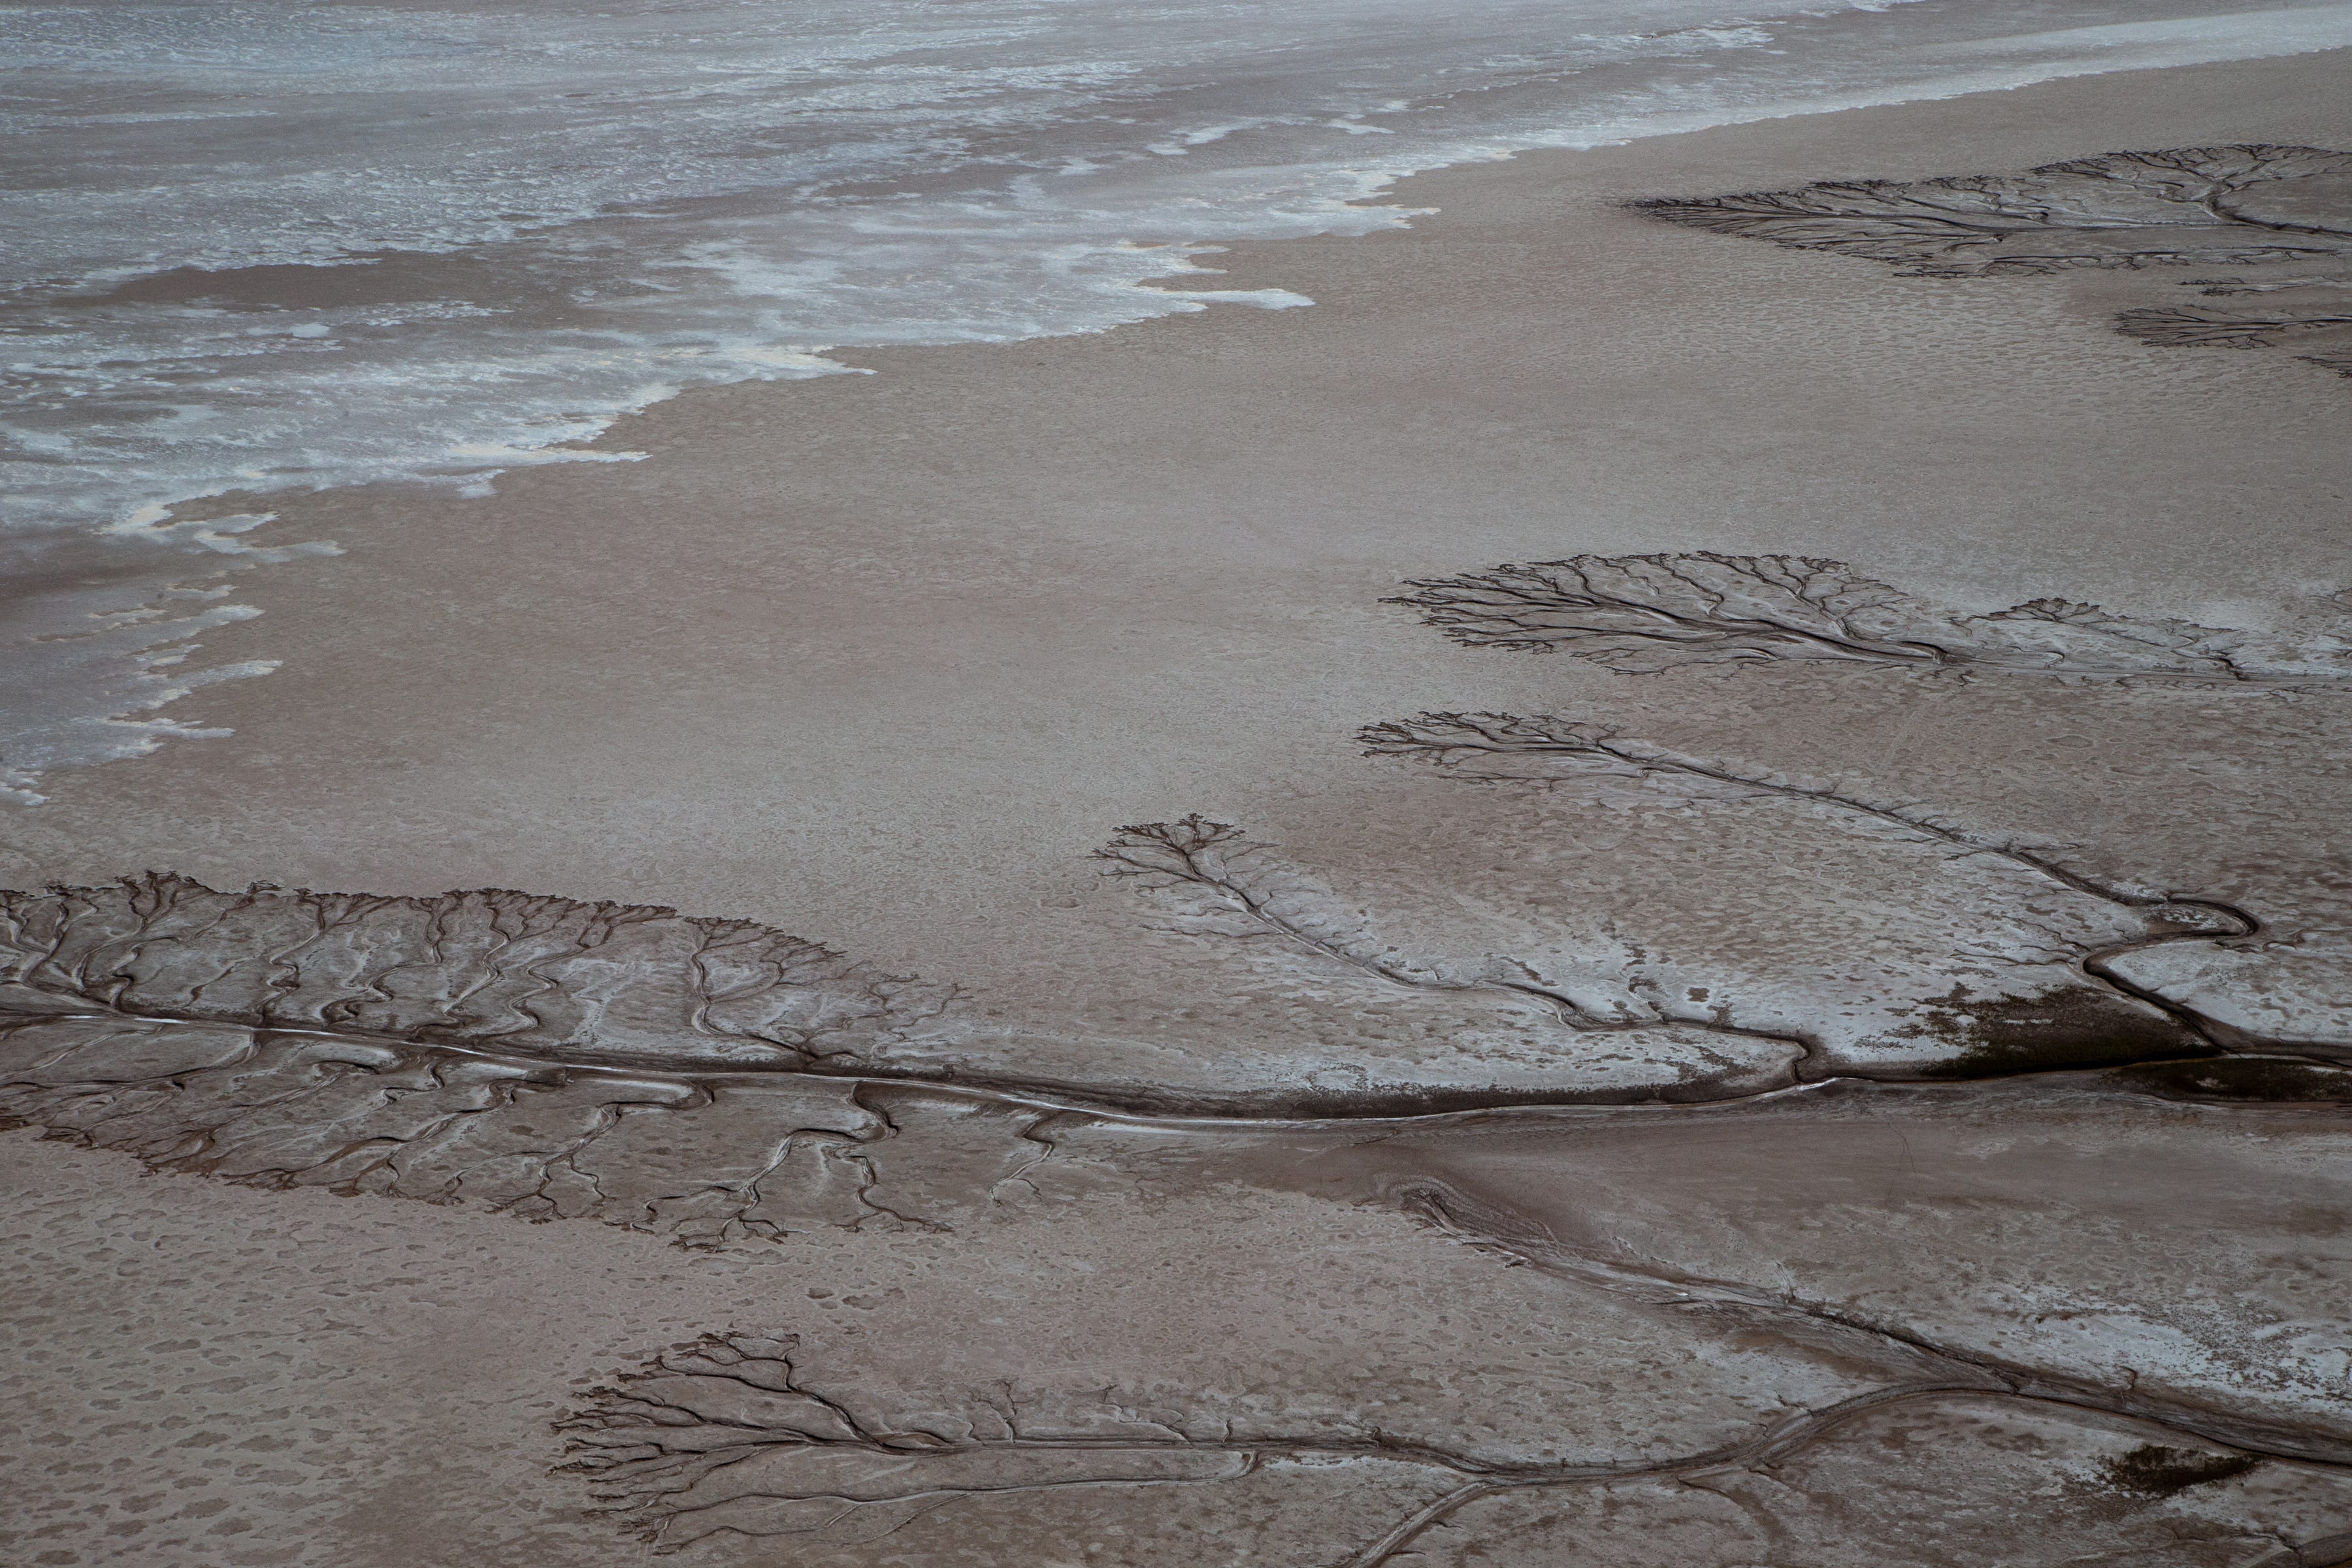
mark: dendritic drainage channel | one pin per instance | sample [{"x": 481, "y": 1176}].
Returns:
[
  {"x": 737, "y": 1435},
  {"x": 712, "y": 1079},
  {"x": 715, "y": 1081},
  {"x": 2205, "y": 963},
  {"x": 2277, "y": 219},
  {"x": 1641, "y": 613},
  {"x": 696, "y": 1077}
]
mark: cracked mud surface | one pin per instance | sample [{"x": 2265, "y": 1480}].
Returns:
[{"x": 2279, "y": 218}]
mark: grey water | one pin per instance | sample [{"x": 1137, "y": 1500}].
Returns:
[{"x": 248, "y": 248}]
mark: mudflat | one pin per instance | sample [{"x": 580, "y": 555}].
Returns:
[{"x": 1663, "y": 885}]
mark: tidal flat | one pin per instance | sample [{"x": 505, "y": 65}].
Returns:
[{"x": 1667, "y": 885}]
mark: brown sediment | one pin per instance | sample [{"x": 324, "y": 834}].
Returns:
[
  {"x": 2196, "y": 205},
  {"x": 1647, "y": 612},
  {"x": 2108, "y": 1021},
  {"x": 2061, "y": 1032},
  {"x": 2160, "y": 1471},
  {"x": 752, "y": 1435},
  {"x": 889, "y": 757},
  {"x": 2273, "y": 1080},
  {"x": 729, "y": 1435},
  {"x": 2247, "y": 206}
]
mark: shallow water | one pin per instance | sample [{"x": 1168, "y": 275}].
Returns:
[{"x": 260, "y": 248}]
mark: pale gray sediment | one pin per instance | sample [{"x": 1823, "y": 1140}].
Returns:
[
  {"x": 718, "y": 1082},
  {"x": 1629, "y": 1215},
  {"x": 547, "y": 1058},
  {"x": 730, "y": 1436},
  {"x": 1871, "y": 1093}
]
